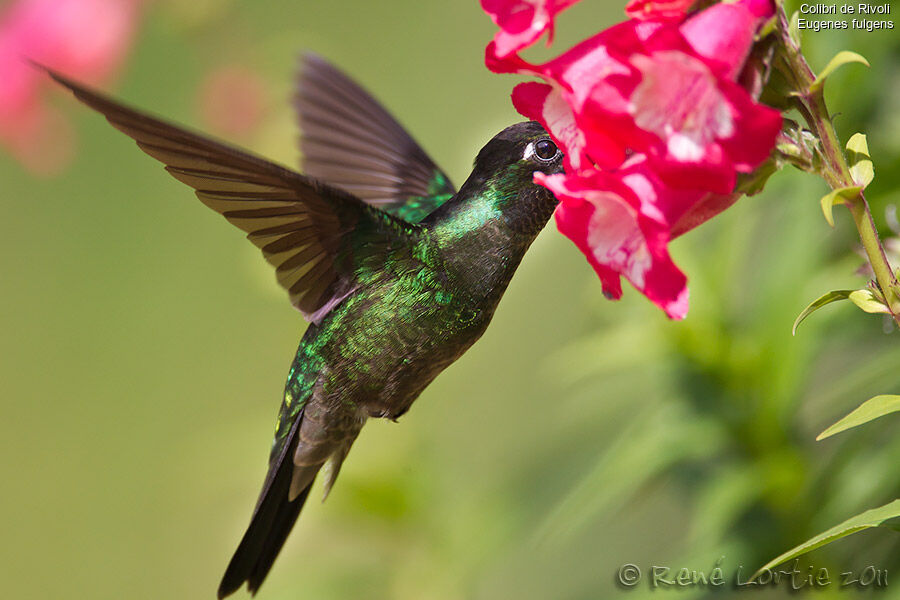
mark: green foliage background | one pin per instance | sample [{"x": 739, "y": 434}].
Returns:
[{"x": 144, "y": 346}]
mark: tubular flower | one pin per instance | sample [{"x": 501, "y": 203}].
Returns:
[{"x": 655, "y": 129}]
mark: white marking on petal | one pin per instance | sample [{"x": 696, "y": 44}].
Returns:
[
  {"x": 561, "y": 123},
  {"x": 684, "y": 147},
  {"x": 615, "y": 238},
  {"x": 646, "y": 193},
  {"x": 678, "y": 308},
  {"x": 678, "y": 99}
]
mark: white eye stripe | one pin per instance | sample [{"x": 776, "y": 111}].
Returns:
[{"x": 529, "y": 151}]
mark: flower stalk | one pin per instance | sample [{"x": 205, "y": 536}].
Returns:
[{"x": 809, "y": 99}]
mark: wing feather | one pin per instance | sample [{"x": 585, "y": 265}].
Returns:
[
  {"x": 306, "y": 229},
  {"x": 349, "y": 140}
]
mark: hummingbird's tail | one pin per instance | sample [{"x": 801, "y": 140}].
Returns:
[{"x": 272, "y": 521}]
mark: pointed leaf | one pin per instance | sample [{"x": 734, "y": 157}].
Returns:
[
  {"x": 869, "y": 410},
  {"x": 837, "y": 197},
  {"x": 841, "y": 58},
  {"x": 832, "y": 296},
  {"x": 794, "y": 28},
  {"x": 858, "y": 143},
  {"x": 766, "y": 28},
  {"x": 867, "y": 301},
  {"x": 885, "y": 516},
  {"x": 861, "y": 167}
]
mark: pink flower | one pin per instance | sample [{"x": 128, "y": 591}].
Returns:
[
  {"x": 231, "y": 100},
  {"x": 607, "y": 221},
  {"x": 654, "y": 9},
  {"x": 522, "y": 22},
  {"x": 623, "y": 221},
  {"x": 659, "y": 88},
  {"x": 655, "y": 129},
  {"x": 87, "y": 39}
]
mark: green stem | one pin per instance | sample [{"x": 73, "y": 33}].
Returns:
[{"x": 836, "y": 171}]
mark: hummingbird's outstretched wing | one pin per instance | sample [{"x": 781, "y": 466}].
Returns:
[
  {"x": 306, "y": 229},
  {"x": 349, "y": 140}
]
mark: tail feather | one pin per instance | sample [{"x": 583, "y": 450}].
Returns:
[
  {"x": 292, "y": 470},
  {"x": 272, "y": 520},
  {"x": 281, "y": 527}
]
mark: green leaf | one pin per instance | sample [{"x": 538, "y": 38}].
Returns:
[
  {"x": 861, "y": 167},
  {"x": 837, "y": 197},
  {"x": 794, "y": 28},
  {"x": 753, "y": 183},
  {"x": 858, "y": 143},
  {"x": 767, "y": 28},
  {"x": 884, "y": 516},
  {"x": 841, "y": 58},
  {"x": 867, "y": 301},
  {"x": 832, "y": 296},
  {"x": 869, "y": 410}
]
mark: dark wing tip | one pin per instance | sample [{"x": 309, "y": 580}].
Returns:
[
  {"x": 312, "y": 65},
  {"x": 58, "y": 77},
  {"x": 34, "y": 63},
  {"x": 348, "y": 139},
  {"x": 227, "y": 588},
  {"x": 309, "y": 58},
  {"x": 253, "y": 193}
]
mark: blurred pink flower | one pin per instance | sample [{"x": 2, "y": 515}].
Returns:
[
  {"x": 87, "y": 39},
  {"x": 655, "y": 129},
  {"x": 231, "y": 100}
]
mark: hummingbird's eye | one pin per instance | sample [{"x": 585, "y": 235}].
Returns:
[{"x": 544, "y": 150}]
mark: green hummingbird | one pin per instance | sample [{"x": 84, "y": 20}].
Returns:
[{"x": 397, "y": 272}]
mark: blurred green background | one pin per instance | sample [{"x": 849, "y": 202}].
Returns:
[{"x": 144, "y": 345}]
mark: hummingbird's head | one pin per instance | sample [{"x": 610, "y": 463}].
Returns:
[
  {"x": 505, "y": 170},
  {"x": 500, "y": 195},
  {"x": 517, "y": 152},
  {"x": 503, "y": 175},
  {"x": 485, "y": 229}
]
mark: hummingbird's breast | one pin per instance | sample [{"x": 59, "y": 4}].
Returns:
[{"x": 391, "y": 339}]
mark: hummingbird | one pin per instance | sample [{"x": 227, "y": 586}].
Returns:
[{"x": 397, "y": 272}]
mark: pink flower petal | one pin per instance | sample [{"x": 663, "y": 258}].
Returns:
[
  {"x": 723, "y": 33},
  {"x": 592, "y": 60},
  {"x": 655, "y": 130},
  {"x": 698, "y": 127},
  {"x": 231, "y": 100},
  {"x": 656, "y": 9},
  {"x": 758, "y": 126},
  {"x": 522, "y": 22},
  {"x": 87, "y": 39},
  {"x": 681, "y": 209},
  {"x": 605, "y": 221},
  {"x": 545, "y": 104},
  {"x": 678, "y": 99},
  {"x": 84, "y": 38},
  {"x": 703, "y": 210}
]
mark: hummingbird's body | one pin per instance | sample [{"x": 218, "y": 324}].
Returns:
[
  {"x": 418, "y": 308},
  {"x": 398, "y": 274}
]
